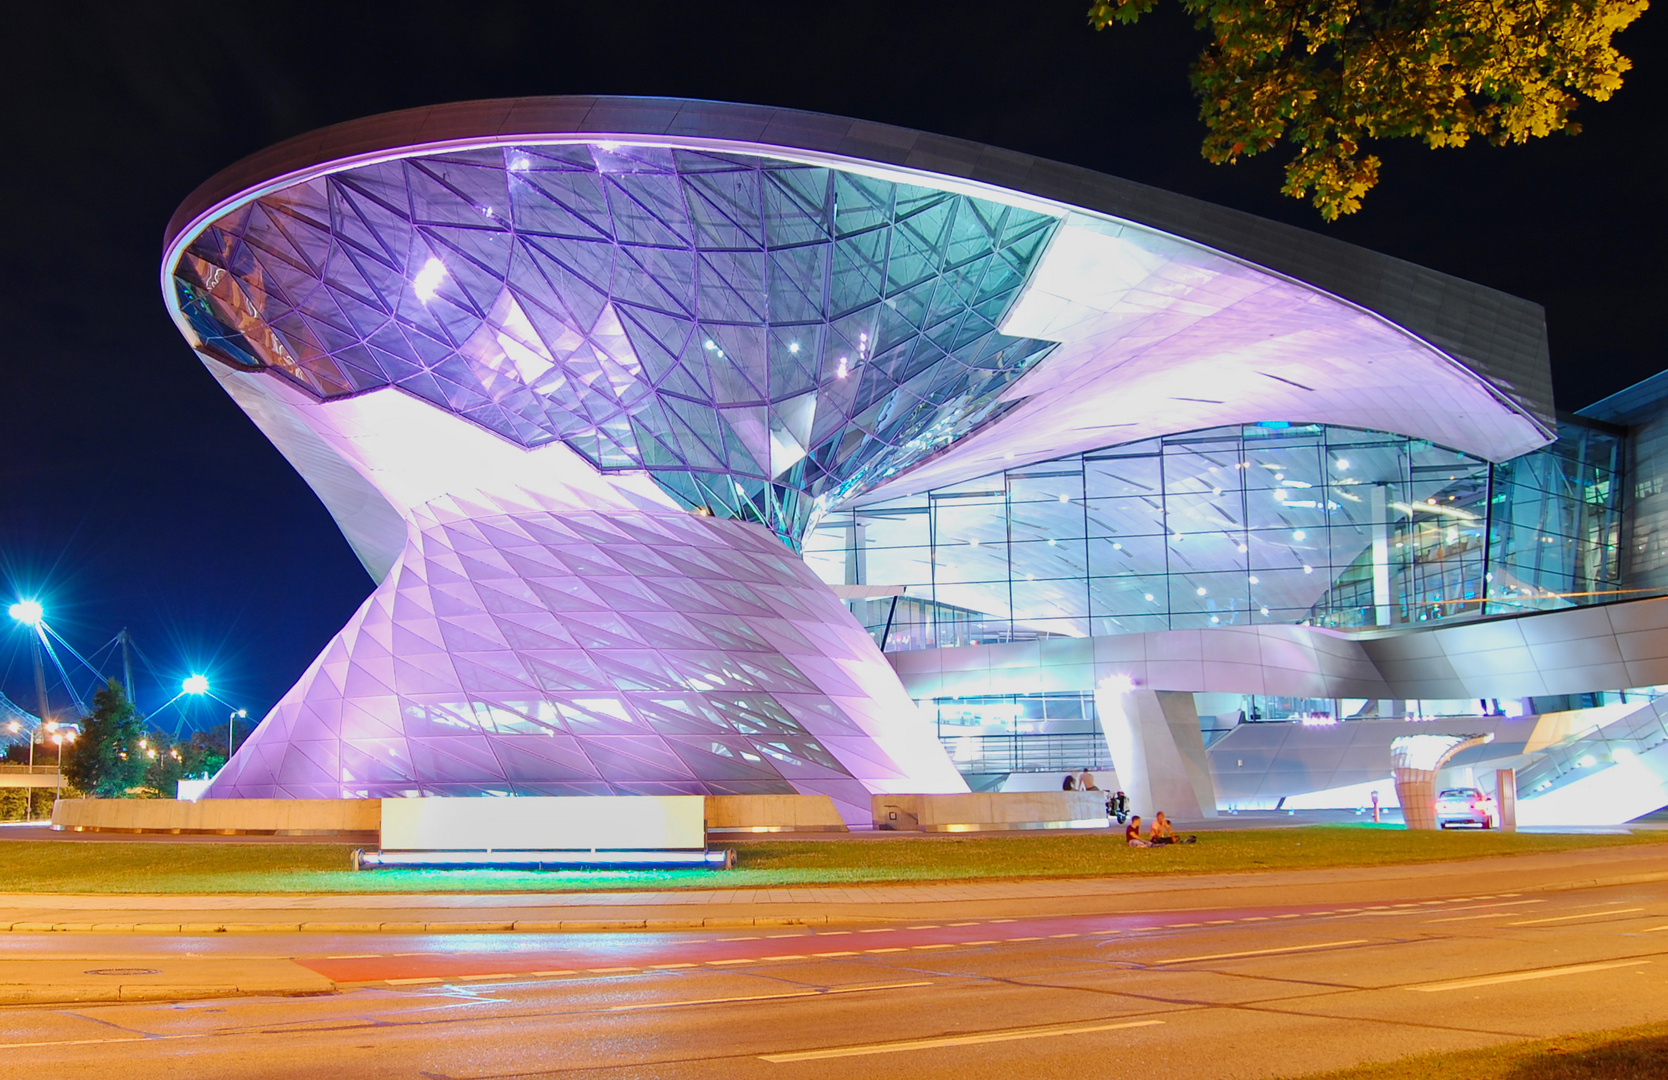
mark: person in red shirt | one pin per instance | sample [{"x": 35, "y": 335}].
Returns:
[{"x": 1132, "y": 833}]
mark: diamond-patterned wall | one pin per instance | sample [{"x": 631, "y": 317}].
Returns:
[
  {"x": 564, "y": 652},
  {"x": 755, "y": 332}
]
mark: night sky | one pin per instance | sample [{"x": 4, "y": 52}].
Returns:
[{"x": 134, "y": 493}]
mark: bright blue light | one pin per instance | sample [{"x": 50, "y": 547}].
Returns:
[
  {"x": 27, "y": 612},
  {"x": 195, "y": 684}
]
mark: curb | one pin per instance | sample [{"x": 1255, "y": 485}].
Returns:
[
  {"x": 524, "y": 926},
  {"x": 59, "y": 995}
]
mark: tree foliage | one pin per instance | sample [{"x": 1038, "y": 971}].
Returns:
[
  {"x": 1328, "y": 75},
  {"x": 108, "y": 757}
]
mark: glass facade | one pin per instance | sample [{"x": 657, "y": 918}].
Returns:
[
  {"x": 1273, "y": 522},
  {"x": 764, "y": 337}
]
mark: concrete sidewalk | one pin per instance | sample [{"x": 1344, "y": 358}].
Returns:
[{"x": 694, "y": 909}]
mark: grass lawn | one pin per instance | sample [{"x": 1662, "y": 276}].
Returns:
[
  {"x": 155, "y": 866},
  {"x": 1636, "y": 1053}
]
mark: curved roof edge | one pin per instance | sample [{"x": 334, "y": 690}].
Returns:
[{"x": 1500, "y": 337}]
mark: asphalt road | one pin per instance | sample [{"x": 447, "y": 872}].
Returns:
[{"x": 1248, "y": 992}]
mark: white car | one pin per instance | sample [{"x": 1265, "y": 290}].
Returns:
[{"x": 1464, "y": 806}]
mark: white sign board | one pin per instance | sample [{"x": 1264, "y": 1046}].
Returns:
[{"x": 600, "y": 823}]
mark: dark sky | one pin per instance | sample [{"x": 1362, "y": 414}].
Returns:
[{"x": 134, "y": 493}]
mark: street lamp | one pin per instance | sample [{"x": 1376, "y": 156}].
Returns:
[
  {"x": 195, "y": 684},
  {"x": 31, "y": 614},
  {"x": 231, "y": 724},
  {"x": 60, "y": 738}
]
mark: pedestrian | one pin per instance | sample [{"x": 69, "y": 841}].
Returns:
[
  {"x": 1086, "y": 780},
  {"x": 1132, "y": 833},
  {"x": 1069, "y": 784}
]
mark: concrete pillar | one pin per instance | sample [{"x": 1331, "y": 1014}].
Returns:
[
  {"x": 857, "y": 554},
  {"x": 1379, "y": 509},
  {"x": 1157, "y": 750},
  {"x": 1505, "y": 798}
]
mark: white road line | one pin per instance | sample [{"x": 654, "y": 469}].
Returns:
[
  {"x": 1469, "y": 918},
  {"x": 412, "y": 982},
  {"x": 639, "y": 1006},
  {"x": 1261, "y": 952},
  {"x": 1523, "y": 976},
  {"x": 1654, "y": 929},
  {"x": 1567, "y": 918},
  {"x": 1010, "y": 1035}
]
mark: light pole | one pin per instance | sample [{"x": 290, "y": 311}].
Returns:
[
  {"x": 31, "y": 614},
  {"x": 231, "y": 725},
  {"x": 61, "y": 737}
]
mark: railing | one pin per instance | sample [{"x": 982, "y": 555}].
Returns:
[
  {"x": 9, "y": 769},
  {"x": 1635, "y": 733},
  {"x": 1026, "y": 753}
]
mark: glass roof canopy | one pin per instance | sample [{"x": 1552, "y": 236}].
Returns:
[{"x": 764, "y": 337}]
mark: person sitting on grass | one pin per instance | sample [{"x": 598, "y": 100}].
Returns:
[
  {"x": 1132, "y": 833},
  {"x": 1162, "y": 833}
]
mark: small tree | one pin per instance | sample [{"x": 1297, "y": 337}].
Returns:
[{"x": 107, "y": 758}]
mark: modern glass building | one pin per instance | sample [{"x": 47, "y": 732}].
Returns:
[
  {"x": 691, "y": 446},
  {"x": 1274, "y": 522}
]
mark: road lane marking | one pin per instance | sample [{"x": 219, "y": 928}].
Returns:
[
  {"x": 834, "y": 954},
  {"x": 785, "y": 956},
  {"x": 486, "y": 978},
  {"x": 991, "y": 942},
  {"x": 663, "y": 967},
  {"x": 975, "y": 922},
  {"x": 610, "y": 970},
  {"x": 567, "y": 971},
  {"x": 877, "y": 986},
  {"x": 411, "y": 982},
  {"x": 353, "y": 956},
  {"x": 1469, "y": 918},
  {"x": 1009, "y": 1035},
  {"x": 832, "y": 933},
  {"x": 885, "y": 950},
  {"x": 1524, "y": 976},
  {"x": 1508, "y": 903},
  {"x": 1586, "y": 915},
  {"x": 929, "y": 926},
  {"x": 1261, "y": 952},
  {"x": 641, "y": 1005},
  {"x": 934, "y": 946},
  {"x": 1219, "y": 922},
  {"x": 755, "y": 937},
  {"x": 1654, "y": 929},
  {"x": 719, "y": 963}
]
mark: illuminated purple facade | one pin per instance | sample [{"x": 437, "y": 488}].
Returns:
[{"x": 577, "y": 376}]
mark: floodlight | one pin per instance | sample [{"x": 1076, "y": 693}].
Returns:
[
  {"x": 27, "y": 612},
  {"x": 1119, "y": 684},
  {"x": 195, "y": 684}
]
